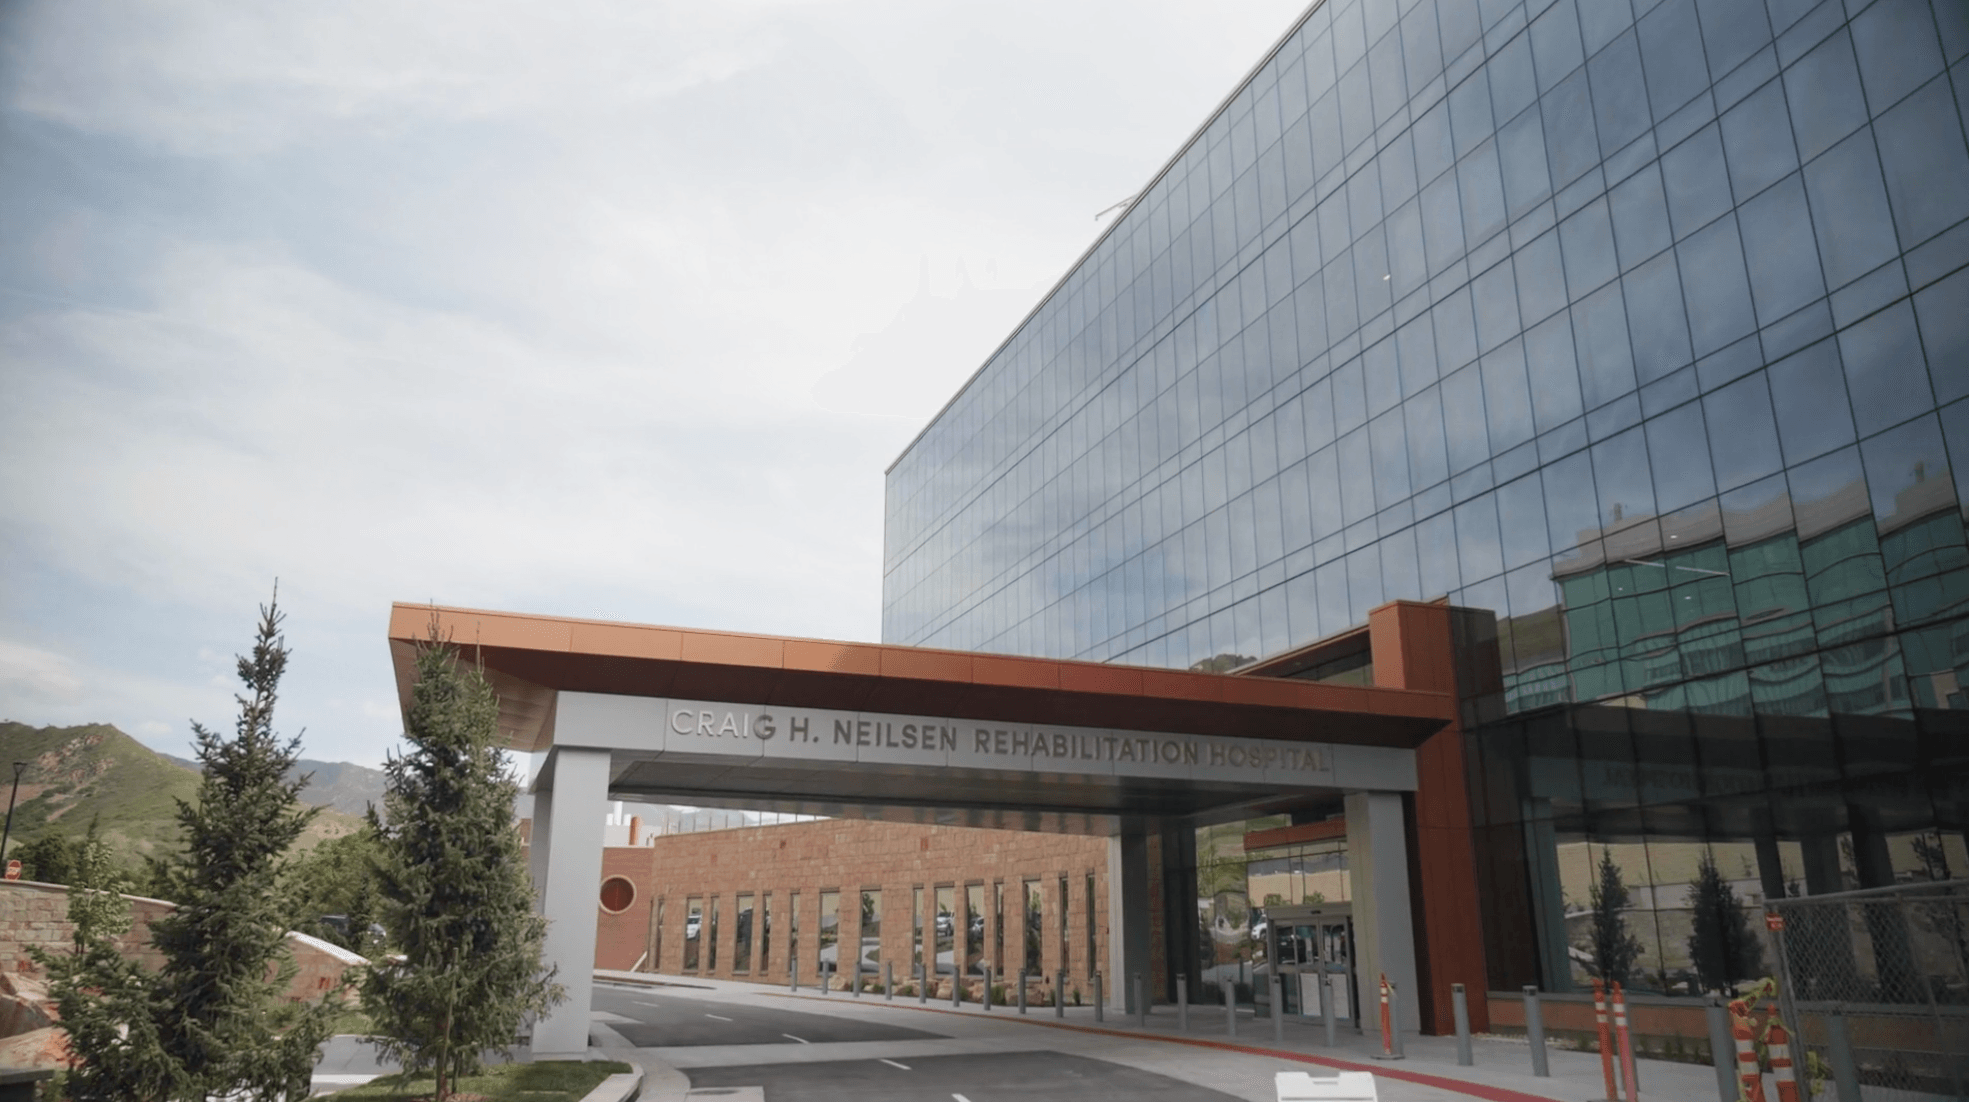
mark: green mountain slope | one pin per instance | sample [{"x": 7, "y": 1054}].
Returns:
[{"x": 78, "y": 773}]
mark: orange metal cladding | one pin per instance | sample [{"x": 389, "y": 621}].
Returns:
[
  {"x": 1412, "y": 649},
  {"x": 543, "y": 653}
]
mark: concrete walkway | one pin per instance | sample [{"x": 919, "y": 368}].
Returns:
[{"x": 1242, "y": 1065}]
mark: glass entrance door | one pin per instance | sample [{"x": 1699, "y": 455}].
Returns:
[{"x": 1308, "y": 943}]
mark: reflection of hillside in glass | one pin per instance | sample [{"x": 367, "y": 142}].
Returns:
[
  {"x": 1771, "y": 682},
  {"x": 1773, "y": 602}
]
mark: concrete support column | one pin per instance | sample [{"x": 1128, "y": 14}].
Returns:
[
  {"x": 1128, "y": 913},
  {"x": 539, "y": 845},
  {"x": 1384, "y": 928},
  {"x": 573, "y": 880}
]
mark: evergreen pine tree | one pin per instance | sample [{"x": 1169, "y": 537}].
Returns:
[
  {"x": 1615, "y": 950},
  {"x": 209, "y": 1022},
  {"x": 1722, "y": 946},
  {"x": 99, "y": 992},
  {"x": 225, "y": 947},
  {"x": 454, "y": 893}
]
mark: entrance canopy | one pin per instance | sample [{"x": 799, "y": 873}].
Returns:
[
  {"x": 622, "y": 711},
  {"x": 870, "y": 730}
]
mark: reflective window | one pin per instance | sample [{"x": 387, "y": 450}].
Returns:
[{"x": 1884, "y": 369}]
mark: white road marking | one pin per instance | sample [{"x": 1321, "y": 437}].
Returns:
[
  {"x": 720, "y": 1017},
  {"x": 893, "y": 1064},
  {"x": 960, "y": 1098},
  {"x": 640, "y": 1002},
  {"x": 804, "y": 1041}
]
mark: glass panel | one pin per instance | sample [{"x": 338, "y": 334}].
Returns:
[
  {"x": 974, "y": 916},
  {"x": 946, "y": 928},
  {"x": 830, "y": 933},
  {"x": 742, "y": 935},
  {"x": 766, "y": 933},
  {"x": 711, "y": 938},
  {"x": 693, "y": 923},
  {"x": 916, "y": 931},
  {"x": 871, "y": 931},
  {"x": 1093, "y": 949},
  {"x": 1030, "y": 960},
  {"x": 998, "y": 928},
  {"x": 1066, "y": 933}
]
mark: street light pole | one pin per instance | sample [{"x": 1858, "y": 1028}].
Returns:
[{"x": 7, "y": 834}]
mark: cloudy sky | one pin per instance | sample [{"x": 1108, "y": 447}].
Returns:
[{"x": 585, "y": 308}]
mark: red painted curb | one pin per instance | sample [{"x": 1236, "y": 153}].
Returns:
[{"x": 1420, "y": 1078}]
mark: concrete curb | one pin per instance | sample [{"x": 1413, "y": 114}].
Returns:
[{"x": 621, "y": 1087}]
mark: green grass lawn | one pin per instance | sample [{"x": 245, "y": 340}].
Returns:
[{"x": 550, "y": 1081}]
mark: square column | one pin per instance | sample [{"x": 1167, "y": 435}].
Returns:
[
  {"x": 1128, "y": 915},
  {"x": 572, "y": 890},
  {"x": 1384, "y": 927},
  {"x": 539, "y": 846}
]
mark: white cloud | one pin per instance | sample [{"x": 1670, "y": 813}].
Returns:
[
  {"x": 33, "y": 673},
  {"x": 588, "y": 308}
]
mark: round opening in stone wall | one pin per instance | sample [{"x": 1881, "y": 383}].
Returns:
[{"x": 617, "y": 894}]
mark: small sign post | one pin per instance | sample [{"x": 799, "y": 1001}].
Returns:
[{"x": 14, "y": 868}]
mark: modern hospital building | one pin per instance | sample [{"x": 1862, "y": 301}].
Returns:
[{"x": 1519, "y": 433}]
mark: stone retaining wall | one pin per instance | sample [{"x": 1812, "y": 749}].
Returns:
[{"x": 34, "y": 914}]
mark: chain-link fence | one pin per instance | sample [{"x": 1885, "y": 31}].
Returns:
[{"x": 1875, "y": 986}]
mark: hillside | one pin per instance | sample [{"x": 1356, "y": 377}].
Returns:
[
  {"x": 76, "y": 773},
  {"x": 344, "y": 786}
]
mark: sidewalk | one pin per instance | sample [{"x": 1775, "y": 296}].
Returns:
[{"x": 1502, "y": 1070}]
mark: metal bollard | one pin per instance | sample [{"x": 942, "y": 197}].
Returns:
[
  {"x": 824, "y": 985},
  {"x": 1535, "y": 1032},
  {"x": 1022, "y": 991},
  {"x": 922, "y": 983},
  {"x": 1060, "y": 994},
  {"x": 889, "y": 981},
  {"x": 987, "y": 990},
  {"x": 956, "y": 986},
  {"x": 1460, "y": 1006},
  {"x": 1327, "y": 1015},
  {"x": 854, "y": 978},
  {"x": 1278, "y": 1008},
  {"x": 1141, "y": 1002},
  {"x": 1230, "y": 1008},
  {"x": 1723, "y": 1049},
  {"x": 1845, "y": 1070},
  {"x": 1100, "y": 1010},
  {"x": 793, "y": 973},
  {"x": 1182, "y": 1004}
]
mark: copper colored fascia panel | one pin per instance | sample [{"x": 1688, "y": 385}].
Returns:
[{"x": 601, "y": 657}]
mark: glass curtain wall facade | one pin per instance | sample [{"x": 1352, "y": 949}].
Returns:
[{"x": 1643, "y": 326}]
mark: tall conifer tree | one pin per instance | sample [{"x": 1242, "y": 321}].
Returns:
[
  {"x": 455, "y": 895},
  {"x": 210, "y": 1021},
  {"x": 225, "y": 946}
]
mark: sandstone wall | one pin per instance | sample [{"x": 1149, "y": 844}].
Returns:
[
  {"x": 770, "y": 863},
  {"x": 33, "y": 914}
]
